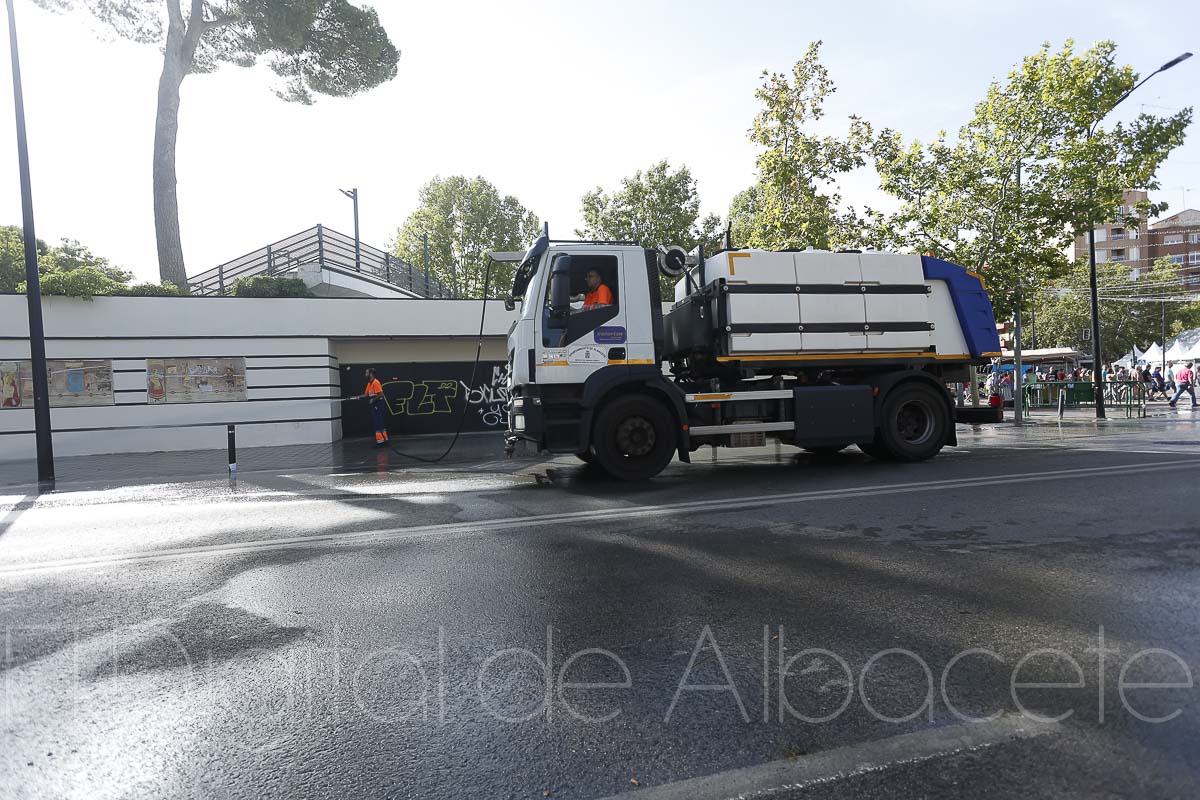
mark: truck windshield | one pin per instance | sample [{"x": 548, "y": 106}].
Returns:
[{"x": 528, "y": 266}]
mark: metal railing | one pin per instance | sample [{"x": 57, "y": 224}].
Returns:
[
  {"x": 317, "y": 245},
  {"x": 1130, "y": 396}
]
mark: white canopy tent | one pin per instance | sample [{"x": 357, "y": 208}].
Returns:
[
  {"x": 1130, "y": 358},
  {"x": 1185, "y": 346},
  {"x": 1153, "y": 355}
]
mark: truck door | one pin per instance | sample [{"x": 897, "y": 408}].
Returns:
[{"x": 594, "y": 332}]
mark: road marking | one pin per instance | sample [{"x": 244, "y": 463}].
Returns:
[
  {"x": 479, "y": 527},
  {"x": 844, "y": 762}
]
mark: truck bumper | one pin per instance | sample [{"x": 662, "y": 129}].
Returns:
[{"x": 526, "y": 418}]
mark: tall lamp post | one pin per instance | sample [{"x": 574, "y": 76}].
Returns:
[
  {"x": 353, "y": 195},
  {"x": 33, "y": 291},
  {"x": 1097, "y": 357}
]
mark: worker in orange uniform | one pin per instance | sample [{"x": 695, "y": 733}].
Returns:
[
  {"x": 598, "y": 295},
  {"x": 374, "y": 395}
]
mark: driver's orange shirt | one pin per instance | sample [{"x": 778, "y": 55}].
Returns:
[{"x": 600, "y": 297}]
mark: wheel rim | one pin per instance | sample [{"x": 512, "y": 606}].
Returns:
[
  {"x": 915, "y": 422},
  {"x": 635, "y": 437}
]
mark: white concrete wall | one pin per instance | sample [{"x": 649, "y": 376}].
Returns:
[{"x": 292, "y": 348}]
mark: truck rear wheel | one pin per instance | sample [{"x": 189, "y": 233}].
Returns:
[
  {"x": 913, "y": 423},
  {"x": 633, "y": 438}
]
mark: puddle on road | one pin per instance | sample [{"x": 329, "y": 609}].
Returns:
[{"x": 209, "y": 633}]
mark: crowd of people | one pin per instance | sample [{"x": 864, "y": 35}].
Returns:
[{"x": 1157, "y": 384}]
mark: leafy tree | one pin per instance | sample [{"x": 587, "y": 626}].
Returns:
[
  {"x": 70, "y": 269},
  {"x": 961, "y": 199},
  {"x": 465, "y": 219},
  {"x": 72, "y": 255},
  {"x": 794, "y": 202},
  {"x": 325, "y": 47},
  {"x": 1129, "y": 312},
  {"x": 12, "y": 258},
  {"x": 655, "y": 208}
]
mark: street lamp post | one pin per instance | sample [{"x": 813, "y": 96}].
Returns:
[
  {"x": 1097, "y": 372},
  {"x": 33, "y": 290},
  {"x": 353, "y": 195}
]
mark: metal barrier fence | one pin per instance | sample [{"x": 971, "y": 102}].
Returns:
[
  {"x": 1130, "y": 396},
  {"x": 322, "y": 246}
]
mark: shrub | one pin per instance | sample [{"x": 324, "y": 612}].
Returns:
[
  {"x": 163, "y": 289},
  {"x": 84, "y": 282},
  {"x": 268, "y": 286}
]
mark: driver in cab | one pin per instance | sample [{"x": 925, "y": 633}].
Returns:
[{"x": 598, "y": 295}]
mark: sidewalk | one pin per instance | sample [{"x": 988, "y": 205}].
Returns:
[
  {"x": 1113, "y": 415},
  {"x": 475, "y": 449},
  {"x": 121, "y": 469}
]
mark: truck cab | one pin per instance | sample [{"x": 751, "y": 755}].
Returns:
[{"x": 567, "y": 353}]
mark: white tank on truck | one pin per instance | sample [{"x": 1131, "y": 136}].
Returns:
[{"x": 816, "y": 349}]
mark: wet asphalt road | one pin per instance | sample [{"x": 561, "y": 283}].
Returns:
[{"x": 513, "y": 630}]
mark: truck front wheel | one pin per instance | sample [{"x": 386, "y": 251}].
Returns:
[
  {"x": 913, "y": 423},
  {"x": 633, "y": 438}
]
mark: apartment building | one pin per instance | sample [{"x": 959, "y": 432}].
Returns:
[
  {"x": 1119, "y": 242},
  {"x": 1177, "y": 238}
]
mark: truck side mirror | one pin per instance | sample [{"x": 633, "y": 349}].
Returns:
[{"x": 560, "y": 286}]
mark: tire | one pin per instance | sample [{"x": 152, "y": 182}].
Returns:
[
  {"x": 826, "y": 449},
  {"x": 586, "y": 456},
  {"x": 633, "y": 438},
  {"x": 914, "y": 422}
]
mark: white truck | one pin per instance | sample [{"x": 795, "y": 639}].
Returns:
[{"x": 816, "y": 349}]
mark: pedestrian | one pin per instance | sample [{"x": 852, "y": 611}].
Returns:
[
  {"x": 1184, "y": 378},
  {"x": 1157, "y": 384},
  {"x": 374, "y": 395},
  {"x": 1171, "y": 377}
]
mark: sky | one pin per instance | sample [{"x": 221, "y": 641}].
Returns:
[{"x": 546, "y": 100}]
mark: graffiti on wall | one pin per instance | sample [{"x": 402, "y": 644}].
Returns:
[
  {"x": 430, "y": 397},
  {"x": 491, "y": 397},
  {"x": 418, "y": 398}
]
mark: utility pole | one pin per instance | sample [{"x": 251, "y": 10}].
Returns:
[
  {"x": 1018, "y": 382},
  {"x": 1164, "y": 339},
  {"x": 353, "y": 195},
  {"x": 1096, "y": 358},
  {"x": 425, "y": 261},
  {"x": 1097, "y": 369},
  {"x": 33, "y": 291}
]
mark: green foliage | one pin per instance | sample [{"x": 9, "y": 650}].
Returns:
[
  {"x": 72, "y": 255},
  {"x": 69, "y": 269},
  {"x": 329, "y": 47},
  {"x": 793, "y": 202},
  {"x": 269, "y": 286},
  {"x": 163, "y": 289},
  {"x": 83, "y": 282},
  {"x": 961, "y": 200},
  {"x": 12, "y": 258},
  {"x": 465, "y": 220},
  {"x": 655, "y": 208},
  {"x": 1059, "y": 313}
]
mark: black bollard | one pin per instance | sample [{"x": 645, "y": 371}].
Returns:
[{"x": 232, "y": 449}]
